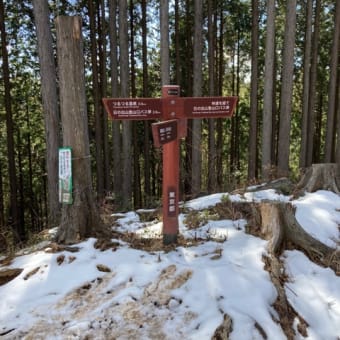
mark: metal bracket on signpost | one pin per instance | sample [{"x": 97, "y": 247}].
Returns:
[{"x": 174, "y": 112}]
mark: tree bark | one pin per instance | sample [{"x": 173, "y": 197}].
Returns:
[
  {"x": 80, "y": 219},
  {"x": 147, "y": 142},
  {"x": 287, "y": 89},
  {"x": 103, "y": 91},
  {"x": 312, "y": 86},
  {"x": 267, "y": 128},
  {"x": 252, "y": 153},
  {"x": 14, "y": 216},
  {"x": 164, "y": 25},
  {"x": 125, "y": 92},
  {"x": 196, "y": 169},
  {"x": 50, "y": 105},
  {"x": 116, "y": 135},
  {"x": 306, "y": 84},
  {"x": 280, "y": 226},
  {"x": 212, "y": 183},
  {"x": 2, "y": 208},
  {"x": 332, "y": 91},
  {"x": 98, "y": 114},
  {"x": 319, "y": 177}
]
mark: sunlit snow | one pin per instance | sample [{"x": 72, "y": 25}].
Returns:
[{"x": 183, "y": 293}]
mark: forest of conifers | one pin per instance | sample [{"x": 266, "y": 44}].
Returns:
[{"x": 281, "y": 58}]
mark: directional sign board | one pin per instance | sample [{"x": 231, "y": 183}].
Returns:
[
  {"x": 174, "y": 111},
  {"x": 170, "y": 108},
  {"x": 133, "y": 108},
  {"x": 209, "y": 107}
]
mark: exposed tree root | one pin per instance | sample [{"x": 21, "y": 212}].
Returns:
[
  {"x": 8, "y": 275},
  {"x": 287, "y": 314},
  {"x": 224, "y": 329}
]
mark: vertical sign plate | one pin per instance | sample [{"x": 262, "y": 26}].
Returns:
[
  {"x": 164, "y": 132},
  {"x": 65, "y": 175}
]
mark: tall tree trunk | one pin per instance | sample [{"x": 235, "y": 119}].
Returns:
[
  {"x": 267, "y": 128},
  {"x": 252, "y": 153},
  {"x": 178, "y": 78},
  {"x": 116, "y": 135},
  {"x": 312, "y": 86},
  {"x": 332, "y": 91},
  {"x": 219, "y": 90},
  {"x": 32, "y": 199},
  {"x": 165, "y": 58},
  {"x": 50, "y": 105},
  {"x": 186, "y": 161},
  {"x": 147, "y": 148},
  {"x": 21, "y": 186},
  {"x": 14, "y": 216},
  {"x": 318, "y": 124},
  {"x": 96, "y": 102},
  {"x": 235, "y": 165},
  {"x": 125, "y": 92},
  {"x": 211, "y": 122},
  {"x": 137, "y": 195},
  {"x": 103, "y": 90},
  {"x": 80, "y": 219},
  {"x": 196, "y": 170},
  {"x": 2, "y": 206},
  {"x": 287, "y": 89},
  {"x": 337, "y": 150},
  {"x": 306, "y": 83}
]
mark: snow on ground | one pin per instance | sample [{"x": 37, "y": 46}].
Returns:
[{"x": 183, "y": 293}]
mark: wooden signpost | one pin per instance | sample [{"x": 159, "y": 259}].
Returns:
[{"x": 174, "y": 111}]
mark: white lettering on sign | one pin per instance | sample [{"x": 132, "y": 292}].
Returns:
[
  {"x": 126, "y": 104},
  {"x": 134, "y": 112},
  {"x": 166, "y": 134},
  {"x": 211, "y": 108},
  {"x": 171, "y": 202}
]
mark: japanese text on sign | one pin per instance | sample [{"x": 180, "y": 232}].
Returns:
[
  {"x": 209, "y": 107},
  {"x": 145, "y": 108},
  {"x": 172, "y": 202},
  {"x": 65, "y": 175}
]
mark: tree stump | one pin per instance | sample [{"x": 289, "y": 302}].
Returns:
[
  {"x": 322, "y": 176},
  {"x": 280, "y": 226}
]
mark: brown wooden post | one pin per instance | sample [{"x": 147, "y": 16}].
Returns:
[{"x": 170, "y": 177}]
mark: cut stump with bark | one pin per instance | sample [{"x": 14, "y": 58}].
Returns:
[
  {"x": 323, "y": 176},
  {"x": 275, "y": 221},
  {"x": 280, "y": 227}
]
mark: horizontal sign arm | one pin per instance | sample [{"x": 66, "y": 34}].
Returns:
[{"x": 170, "y": 108}]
